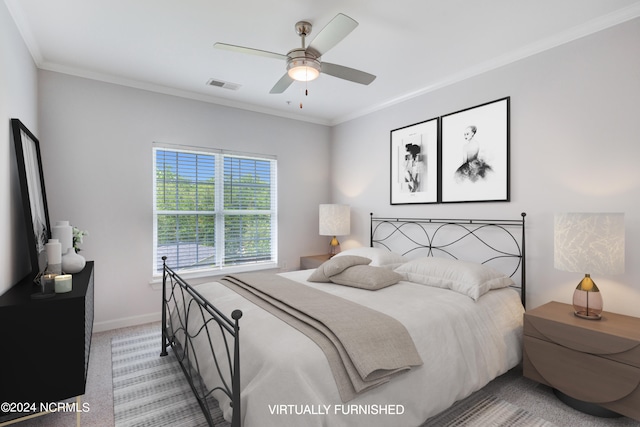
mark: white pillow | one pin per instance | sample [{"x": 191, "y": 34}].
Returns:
[
  {"x": 468, "y": 278},
  {"x": 379, "y": 257}
]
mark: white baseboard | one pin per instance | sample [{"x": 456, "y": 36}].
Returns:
[{"x": 126, "y": 322}]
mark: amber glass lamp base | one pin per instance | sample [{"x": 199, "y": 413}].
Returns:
[
  {"x": 587, "y": 300},
  {"x": 334, "y": 247}
]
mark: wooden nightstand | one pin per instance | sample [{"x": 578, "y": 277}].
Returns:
[
  {"x": 313, "y": 261},
  {"x": 591, "y": 361}
]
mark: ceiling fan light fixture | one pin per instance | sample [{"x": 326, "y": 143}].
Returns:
[{"x": 303, "y": 69}]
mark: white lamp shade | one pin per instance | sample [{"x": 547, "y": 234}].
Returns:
[
  {"x": 589, "y": 242},
  {"x": 334, "y": 220}
]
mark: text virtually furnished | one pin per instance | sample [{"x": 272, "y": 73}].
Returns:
[{"x": 290, "y": 409}]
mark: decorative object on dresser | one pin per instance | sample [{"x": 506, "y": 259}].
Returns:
[
  {"x": 64, "y": 233},
  {"x": 46, "y": 280},
  {"x": 334, "y": 221},
  {"x": 48, "y": 343},
  {"x": 47, "y": 286},
  {"x": 34, "y": 199},
  {"x": 70, "y": 237},
  {"x": 54, "y": 256},
  {"x": 590, "y": 365},
  {"x": 63, "y": 283},
  {"x": 72, "y": 262},
  {"x": 589, "y": 243}
]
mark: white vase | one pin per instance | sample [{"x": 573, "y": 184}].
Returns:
[
  {"x": 72, "y": 262},
  {"x": 64, "y": 233}
]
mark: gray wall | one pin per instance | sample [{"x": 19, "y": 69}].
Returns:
[
  {"x": 18, "y": 98},
  {"x": 574, "y": 147},
  {"x": 96, "y": 142}
]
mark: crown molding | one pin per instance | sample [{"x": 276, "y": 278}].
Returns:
[
  {"x": 152, "y": 87},
  {"x": 575, "y": 33}
]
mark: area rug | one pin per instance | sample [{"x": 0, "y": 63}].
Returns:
[
  {"x": 149, "y": 390},
  {"x": 484, "y": 410}
]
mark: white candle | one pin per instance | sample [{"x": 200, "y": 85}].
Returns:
[{"x": 63, "y": 283}]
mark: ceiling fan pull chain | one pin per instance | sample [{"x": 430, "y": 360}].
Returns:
[{"x": 306, "y": 92}]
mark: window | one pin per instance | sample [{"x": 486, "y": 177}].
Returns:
[{"x": 213, "y": 210}]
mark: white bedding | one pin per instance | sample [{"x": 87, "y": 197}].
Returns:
[{"x": 464, "y": 344}]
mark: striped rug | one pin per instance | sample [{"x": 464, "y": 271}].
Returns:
[
  {"x": 484, "y": 410},
  {"x": 149, "y": 390}
]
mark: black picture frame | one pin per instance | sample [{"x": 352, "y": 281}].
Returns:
[
  {"x": 414, "y": 163},
  {"x": 475, "y": 165},
  {"x": 32, "y": 189}
]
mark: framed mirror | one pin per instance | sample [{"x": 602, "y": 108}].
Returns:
[{"x": 34, "y": 200}]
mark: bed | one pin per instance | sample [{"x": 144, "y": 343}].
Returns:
[{"x": 459, "y": 294}]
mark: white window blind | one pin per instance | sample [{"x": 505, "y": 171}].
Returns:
[{"x": 213, "y": 210}]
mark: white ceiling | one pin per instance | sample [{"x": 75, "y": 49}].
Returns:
[{"x": 412, "y": 46}]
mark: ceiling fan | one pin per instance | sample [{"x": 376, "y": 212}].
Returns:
[{"x": 304, "y": 63}]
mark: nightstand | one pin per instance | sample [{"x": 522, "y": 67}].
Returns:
[
  {"x": 590, "y": 362},
  {"x": 313, "y": 261}
]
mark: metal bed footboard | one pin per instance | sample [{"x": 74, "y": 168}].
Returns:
[
  {"x": 498, "y": 243},
  {"x": 182, "y": 305}
]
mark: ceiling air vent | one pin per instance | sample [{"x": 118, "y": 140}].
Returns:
[{"x": 223, "y": 84}]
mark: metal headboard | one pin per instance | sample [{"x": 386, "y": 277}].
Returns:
[{"x": 497, "y": 243}]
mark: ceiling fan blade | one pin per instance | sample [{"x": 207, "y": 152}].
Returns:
[
  {"x": 347, "y": 73},
  {"x": 282, "y": 84},
  {"x": 337, "y": 29},
  {"x": 249, "y": 50}
]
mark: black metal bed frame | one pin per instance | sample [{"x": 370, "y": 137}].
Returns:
[
  {"x": 180, "y": 303},
  {"x": 384, "y": 230}
]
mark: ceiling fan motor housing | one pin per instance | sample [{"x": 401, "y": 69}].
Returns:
[{"x": 302, "y": 66}]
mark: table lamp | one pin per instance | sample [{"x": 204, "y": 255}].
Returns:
[
  {"x": 334, "y": 221},
  {"x": 589, "y": 243}
]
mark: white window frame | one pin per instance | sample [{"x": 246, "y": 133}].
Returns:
[{"x": 219, "y": 213}]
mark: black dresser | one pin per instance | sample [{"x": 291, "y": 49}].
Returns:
[{"x": 45, "y": 343}]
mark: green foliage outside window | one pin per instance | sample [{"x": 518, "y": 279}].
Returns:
[{"x": 186, "y": 214}]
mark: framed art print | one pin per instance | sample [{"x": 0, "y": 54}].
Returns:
[
  {"x": 414, "y": 163},
  {"x": 475, "y": 154},
  {"x": 34, "y": 199}
]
